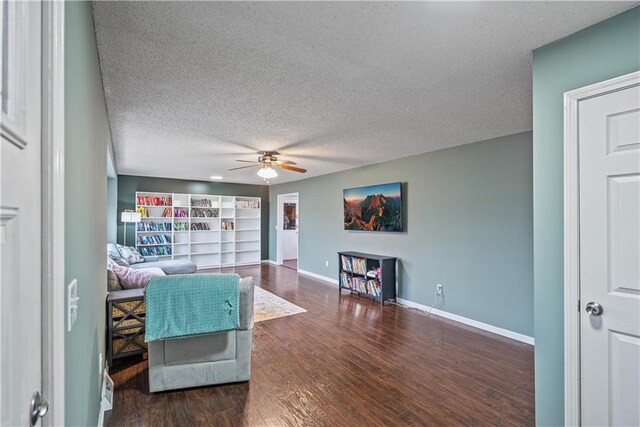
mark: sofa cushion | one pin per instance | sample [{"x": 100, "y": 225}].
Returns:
[
  {"x": 113, "y": 283},
  {"x": 200, "y": 349},
  {"x": 130, "y": 254},
  {"x": 131, "y": 278},
  {"x": 169, "y": 267},
  {"x": 114, "y": 254}
]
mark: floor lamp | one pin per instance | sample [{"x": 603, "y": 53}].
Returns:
[{"x": 127, "y": 217}]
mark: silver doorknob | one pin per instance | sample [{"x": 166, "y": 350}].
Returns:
[
  {"x": 594, "y": 309},
  {"x": 37, "y": 408}
]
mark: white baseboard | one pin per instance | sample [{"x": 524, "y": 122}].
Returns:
[
  {"x": 484, "y": 326},
  {"x": 268, "y": 261},
  {"x": 102, "y": 392},
  {"x": 317, "y": 276},
  {"x": 476, "y": 324}
]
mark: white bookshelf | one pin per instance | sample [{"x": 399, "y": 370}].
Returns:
[{"x": 211, "y": 231}]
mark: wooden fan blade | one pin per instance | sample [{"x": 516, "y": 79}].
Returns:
[
  {"x": 244, "y": 167},
  {"x": 292, "y": 168},
  {"x": 285, "y": 162},
  {"x": 247, "y": 161}
]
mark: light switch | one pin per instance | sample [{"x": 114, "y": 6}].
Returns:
[{"x": 72, "y": 303}]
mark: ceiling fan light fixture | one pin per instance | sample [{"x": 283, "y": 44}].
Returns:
[{"x": 267, "y": 172}]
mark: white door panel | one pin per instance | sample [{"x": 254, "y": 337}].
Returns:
[
  {"x": 20, "y": 215},
  {"x": 609, "y": 158}
]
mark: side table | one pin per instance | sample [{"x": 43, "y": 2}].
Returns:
[{"x": 125, "y": 324}]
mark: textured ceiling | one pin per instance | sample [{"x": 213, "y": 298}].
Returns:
[{"x": 192, "y": 86}]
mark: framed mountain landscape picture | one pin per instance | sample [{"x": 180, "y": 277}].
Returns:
[{"x": 373, "y": 208}]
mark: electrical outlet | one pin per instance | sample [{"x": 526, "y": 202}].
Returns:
[
  {"x": 326, "y": 263},
  {"x": 439, "y": 290}
]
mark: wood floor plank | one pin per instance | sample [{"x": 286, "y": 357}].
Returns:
[{"x": 346, "y": 362}]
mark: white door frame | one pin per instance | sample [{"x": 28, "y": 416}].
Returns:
[
  {"x": 53, "y": 323},
  {"x": 279, "y": 245},
  {"x": 572, "y": 235}
]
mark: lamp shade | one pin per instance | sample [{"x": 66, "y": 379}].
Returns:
[
  {"x": 129, "y": 216},
  {"x": 267, "y": 172}
]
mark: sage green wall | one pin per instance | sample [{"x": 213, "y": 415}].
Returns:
[
  {"x": 603, "y": 51},
  {"x": 129, "y": 184},
  {"x": 468, "y": 227},
  {"x": 112, "y": 209},
  {"x": 87, "y": 137}
]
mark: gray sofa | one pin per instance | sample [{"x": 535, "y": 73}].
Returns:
[
  {"x": 169, "y": 267},
  {"x": 218, "y": 358}
]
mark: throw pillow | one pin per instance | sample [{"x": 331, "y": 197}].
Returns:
[
  {"x": 114, "y": 254},
  {"x": 130, "y": 254},
  {"x": 131, "y": 278},
  {"x": 113, "y": 283}
]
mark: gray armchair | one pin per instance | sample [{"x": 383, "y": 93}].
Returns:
[{"x": 219, "y": 358}]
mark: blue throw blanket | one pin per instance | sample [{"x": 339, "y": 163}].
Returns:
[{"x": 191, "y": 304}]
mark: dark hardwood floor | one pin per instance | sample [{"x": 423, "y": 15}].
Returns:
[
  {"x": 290, "y": 263},
  {"x": 347, "y": 362}
]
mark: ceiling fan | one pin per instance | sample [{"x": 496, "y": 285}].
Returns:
[{"x": 268, "y": 163}]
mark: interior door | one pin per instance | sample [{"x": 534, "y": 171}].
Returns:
[
  {"x": 609, "y": 158},
  {"x": 20, "y": 216}
]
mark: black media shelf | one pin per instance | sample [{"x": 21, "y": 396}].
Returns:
[{"x": 356, "y": 274}]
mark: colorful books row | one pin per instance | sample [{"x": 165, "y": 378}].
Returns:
[
  {"x": 354, "y": 265},
  {"x": 203, "y": 203},
  {"x": 200, "y": 226},
  {"x": 155, "y": 250},
  {"x": 181, "y": 226},
  {"x": 228, "y": 225},
  {"x": 154, "y": 226},
  {"x": 154, "y": 200},
  {"x": 247, "y": 204},
  {"x": 360, "y": 284},
  {"x": 154, "y": 239},
  {"x": 204, "y": 213}
]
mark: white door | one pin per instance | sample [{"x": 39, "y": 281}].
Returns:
[
  {"x": 20, "y": 217},
  {"x": 609, "y": 163}
]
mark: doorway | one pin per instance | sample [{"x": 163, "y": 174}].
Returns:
[
  {"x": 602, "y": 248},
  {"x": 288, "y": 230}
]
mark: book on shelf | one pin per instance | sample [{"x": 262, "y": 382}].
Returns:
[
  {"x": 374, "y": 288},
  {"x": 346, "y": 262},
  {"x": 154, "y": 239},
  {"x": 247, "y": 204},
  {"x": 204, "y": 213},
  {"x": 180, "y": 213},
  {"x": 154, "y": 226},
  {"x": 359, "y": 266},
  {"x": 155, "y": 250},
  {"x": 201, "y": 203},
  {"x": 227, "y": 225},
  {"x": 181, "y": 226},
  {"x": 144, "y": 212},
  {"x": 200, "y": 226},
  {"x": 153, "y": 200}
]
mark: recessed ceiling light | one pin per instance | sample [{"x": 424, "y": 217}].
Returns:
[{"x": 215, "y": 177}]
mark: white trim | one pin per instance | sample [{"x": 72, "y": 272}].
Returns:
[
  {"x": 53, "y": 211},
  {"x": 476, "y": 324},
  {"x": 572, "y": 235},
  {"x": 460, "y": 319},
  {"x": 268, "y": 261},
  {"x": 280, "y": 213},
  {"x": 318, "y": 276}
]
